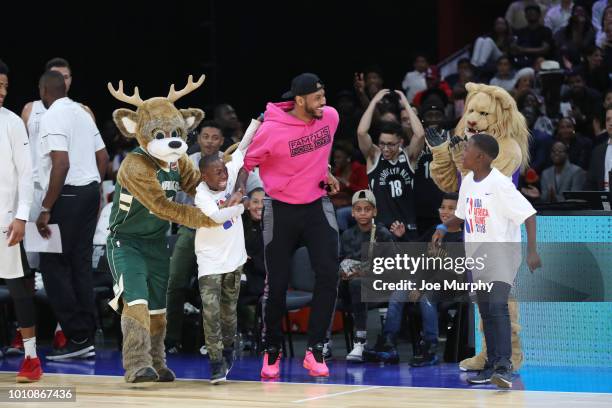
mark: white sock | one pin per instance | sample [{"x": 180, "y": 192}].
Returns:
[
  {"x": 58, "y": 328},
  {"x": 29, "y": 345}
]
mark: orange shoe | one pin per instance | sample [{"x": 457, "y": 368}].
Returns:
[
  {"x": 30, "y": 370},
  {"x": 16, "y": 347},
  {"x": 59, "y": 340}
]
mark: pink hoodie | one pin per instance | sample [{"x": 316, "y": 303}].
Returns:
[{"x": 292, "y": 155}]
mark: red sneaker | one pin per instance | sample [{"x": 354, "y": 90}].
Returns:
[
  {"x": 30, "y": 370},
  {"x": 16, "y": 346},
  {"x": 59, "y": 340}
]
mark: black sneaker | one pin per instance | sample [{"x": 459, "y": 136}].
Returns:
[
  {"x": 317, "y": 352},
  {"x": 426, "y": 355},
  {"x": 73, "y": 349},
  {"x": 483, "y": 376},
  {"x": 327, "y": 351},
  {"x": 502, "y": 377},
  {"x": 229, "y": 355},
  {"x": 218, "y": 371}
]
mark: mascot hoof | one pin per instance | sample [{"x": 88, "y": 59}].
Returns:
[
  {"x": 165, "y": 375},
  {"x": 145, "y": 374}
]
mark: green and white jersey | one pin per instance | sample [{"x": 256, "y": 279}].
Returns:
[{"x": 130, "y": 219}]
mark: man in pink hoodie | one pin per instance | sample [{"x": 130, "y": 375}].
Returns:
[{"x": 292, "y": 149}]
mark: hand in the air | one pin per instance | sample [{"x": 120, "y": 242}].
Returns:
[
  {"x": 435, "y": 137},
  {"x": 398, "y": 229}
]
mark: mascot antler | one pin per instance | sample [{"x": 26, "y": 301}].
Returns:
[
  {"x": 118, "y": 94},
  {"x": 173, "y": 95}
]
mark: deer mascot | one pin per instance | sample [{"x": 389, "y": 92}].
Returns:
[{"x": 143, "y": 207}]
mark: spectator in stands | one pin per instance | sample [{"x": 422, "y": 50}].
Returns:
[
  {"x": 349, "y": 113},
  {"x": 367, "y": 84},
  {"x": 352, "y": 177},
  {"x": 585, "y": 101},
  {"x": 541, "y": 128},
  {"x": 598, "y": 13},
  {"x": 604, "y": 39},
  {"x": 426, "y": 353},
  {"x": 601, "y": 160},
  {"x": 390, "y": 167},
  {"x": 525, "y": 81},
  {"x": 463, "y": 68},
  {"x": 225, "y": 115},
  {"x": 254, "y": 271},
  {"x": 432, "y": 79},
  {"x": 579, "y": 146},
  {"x": 183, "y": 263},
  {"x": 533, "y": 41},
  {"x": 515, "y": 14},
  {"x": 557, "y": 16},
  {"x": 488, "y": 49},
  {"x": 414, "y": 81},
  {"x": 122, "y": 146},
  {"x": 365, "y": 231},
  {"x": 599, "y": 124},
  {"x": 434, "y": 120},
  {"x": 561, "y": 176},
  {"x": 592, "y": 69},
  {"x": 573, "y": 40},
  {"x": 505, "y": 77}
]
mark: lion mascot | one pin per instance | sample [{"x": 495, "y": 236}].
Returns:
[
  {"x": 488, "y": 109},
  {"x": 143, "y": 207}
]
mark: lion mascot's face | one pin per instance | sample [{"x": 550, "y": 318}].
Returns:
[{"x": 491, "y": 109}]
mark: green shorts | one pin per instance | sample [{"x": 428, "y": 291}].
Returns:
[{"x": 140, "y": 269}]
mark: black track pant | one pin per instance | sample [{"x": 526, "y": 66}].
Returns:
[
  {"x": 68, "y": 277},
  {"x": 285, "y": 227}
]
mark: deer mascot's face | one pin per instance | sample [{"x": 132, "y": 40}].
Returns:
[{"x": 159, "y": 127}]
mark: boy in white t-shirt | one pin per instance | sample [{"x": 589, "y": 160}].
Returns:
[
  {"x": 493, "y": 211},
  {"x": 220, "y": 252}
]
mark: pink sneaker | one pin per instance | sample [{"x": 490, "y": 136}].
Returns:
[
  {"x": 271, "y": 365},
  {"x": 316, "y": 367}
]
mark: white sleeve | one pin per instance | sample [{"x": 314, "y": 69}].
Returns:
[
  {"x": 248, "y": 135},
  {"x": 460, "y": 210},
  {"x": 23, "y": 164},
  {"x": 208, "y": 206},
  {"x": 53, "y": 133},
  {"x": 99, "y": 142},
  {"x": 512, "y": 203},
  {"x": 234, "y": 165}
]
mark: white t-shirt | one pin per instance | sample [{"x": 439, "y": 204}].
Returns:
[
  {"x": 221, "y": 249},
  {"x": 33, "y": 125},
  {"x": 67, "y": 127},
  {"x": 16, "y": 188},
  {"x": 493, "y": 209}
]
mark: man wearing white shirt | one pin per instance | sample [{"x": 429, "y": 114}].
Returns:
[
  {"x": 73, "y": 162},
  {"x": 15, "y": 200},
  {"x": 558, "y": 16}
]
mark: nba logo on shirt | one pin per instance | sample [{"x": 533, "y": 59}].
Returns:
[{"x": 469, "y": 226}]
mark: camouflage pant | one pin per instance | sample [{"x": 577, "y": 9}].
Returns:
[{"x": 219, "y": 298}]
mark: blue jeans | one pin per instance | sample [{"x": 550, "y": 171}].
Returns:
[
  {"x": 395, "y": 310},
  {"x": 429, "y": 315},
  {"x": 495, "y": 316}
]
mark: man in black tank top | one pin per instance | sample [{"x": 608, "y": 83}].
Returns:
[{"x": 390, "y": 167}]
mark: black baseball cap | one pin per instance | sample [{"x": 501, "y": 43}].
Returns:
[{"x": 304, "y": 84}]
